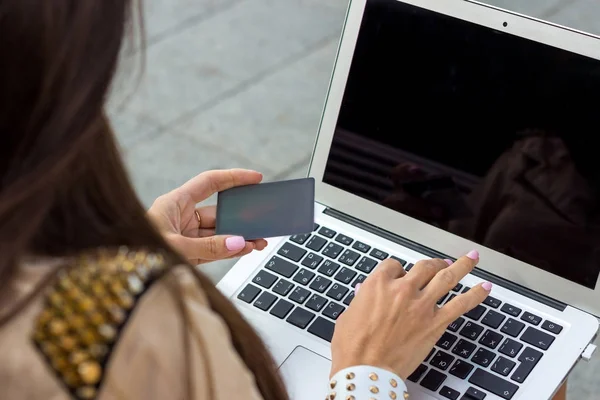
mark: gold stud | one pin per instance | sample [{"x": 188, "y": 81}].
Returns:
[
  {"x": 332, "y": 384},
  {"x": 374, "y": 389},
  {"x": 350, "y": 375},
  {"x": 393, "y": 383},
  {"x": 86, "y": 392},
  {"x": 393, "y": 395},
  {"x": 373, "y": 376},
  {"x": 90, "y": 372},
  {"x": 406, "y": 395},
  {"x": 350, "y": 387},
  {"x": 58, "y": 327},
  {"x": 350, "y": 398},
  {"x": 332, "y": 396}
]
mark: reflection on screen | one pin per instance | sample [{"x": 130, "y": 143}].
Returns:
[{"x": 478, "y": 132}]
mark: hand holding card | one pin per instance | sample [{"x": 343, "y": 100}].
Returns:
[{"x": 267, "y": 210}]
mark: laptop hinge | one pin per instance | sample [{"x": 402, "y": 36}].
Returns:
[{"x": 558, "y": 305}]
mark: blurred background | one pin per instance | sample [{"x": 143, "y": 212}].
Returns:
[{"x": 242, "y": 83}]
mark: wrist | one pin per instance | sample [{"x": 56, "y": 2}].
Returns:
[{"x": 366, "y": 382}]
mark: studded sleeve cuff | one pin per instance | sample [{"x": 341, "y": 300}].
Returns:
[{"x": 363, "y": 382}]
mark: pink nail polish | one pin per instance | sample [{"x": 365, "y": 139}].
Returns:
[
  {"x": 487, "y": 286},
  {"x": 473, "y": 255},
  {"x": 450, "y": 262},
  {"x": 357, "y": 287},
  {"x": 235, "y": 243}
]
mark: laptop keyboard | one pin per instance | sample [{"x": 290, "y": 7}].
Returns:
[{"x": 310, "y": 282}]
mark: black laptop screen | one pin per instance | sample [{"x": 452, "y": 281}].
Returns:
[{"x": 486, "y": 135}]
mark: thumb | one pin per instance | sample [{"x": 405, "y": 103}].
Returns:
[{"x": 209, "y": 248}]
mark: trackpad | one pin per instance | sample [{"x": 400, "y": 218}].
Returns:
[{"x": 305, "y": 374}]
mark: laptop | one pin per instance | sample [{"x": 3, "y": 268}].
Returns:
[{"x": 448, "y": 126}]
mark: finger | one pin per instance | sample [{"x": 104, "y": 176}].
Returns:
[
  {"x": 390, "y": 269},
  {"x": 209, "y": 248},
  {"x": 208, "y": 216},
  {"x": 247, "y": 250},
  {"x": 206, "y": 233},
  {"x": 464, "y": 303},
  {"x": 259, "y": 244},
  {"x": 424, "y": 271},
  {"x": 447, "y": 278},
  {"x": 207, "y": 183}
]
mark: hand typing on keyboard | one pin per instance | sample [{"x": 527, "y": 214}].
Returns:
[{"x": 393, "y": 321}]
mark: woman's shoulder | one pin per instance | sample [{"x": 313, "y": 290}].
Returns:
[{"x": 120, "y": 304}]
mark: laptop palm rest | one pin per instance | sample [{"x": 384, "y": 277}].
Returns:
[{"x": 305, "y": 374}]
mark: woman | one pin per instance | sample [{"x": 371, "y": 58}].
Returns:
[{"x": 99, "y": 299}]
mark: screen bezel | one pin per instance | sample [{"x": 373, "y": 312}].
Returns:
[{"x": 496, "y": 263}]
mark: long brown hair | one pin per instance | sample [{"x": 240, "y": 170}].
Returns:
[{"x": 63, "y": 186}]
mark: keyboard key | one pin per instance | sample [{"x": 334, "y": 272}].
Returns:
[
  {"x": 446, "y": 341},
  {"x": 471, "y": 330},
  {"x": 511, "y": 310},
  {"x": 345, "y": 275},
  {"x": 316, "y": 227},
  {"x": 366, "y": 265},
  {"x": 281, "y": 309},
  {"x": 503, "y": 366},
  {"x": 493, "y": 319},
  {"x": 291, "y": 252},
  {"x": 492, "y": 302},
  {"x": 537, "y": 338},
  {"x": 304, "y": 276},
  {"x": 316, "y": 302},
  {"x": 431, "y": 353},
  {"x": 457, "y": 287},
  {"x": 493, "y": 383},
  {"x": 449, "y": 393},
  {"x": 264, "y": 279},
  {"x": 327, "y": 232},
  {"x": 466, "y": 289},
  {"x": 510, "y": 348},
  {"x": 441, "y": 299},
  {"x": 300, "y": 317},
  {"x": 512, "y": 327},
  {"x": 301, "y": 238},
  {"x": 476, "y": 313},
  {"x": 249, "y": 293},
  {"x": 349, "y": 298},
  {"x": 360, "y": 246},
  {"x": 312, "y": 260},
  {"x": 283, "y": 287},
  {"x": 401, "y": 261},
  {"x": 378, "y": 254},
  {"x": 299, "y": 295},
  {"x": 320, "y": 284},
  {"x": 474, "y": 394},
  {"x": 529, "y": 359},
  {"x": 316, "y": 243},
  {"x": 343, "y": 239},
  {"x": 464, "y": 348},
  {"x": 483, "y": 357},
  {"x": 461, "y": 369},
  {"x": 433, "y": 380},
  {"x": 332, "y": 250},
  {"x": 417, "y": 373},
  {"x": 328, "y": 268},
  {"x": 408, "y": 267},
  {"x": 349, "y": 257},
  {"x": 359, "y": 279},
  {"x": 491, "y": 339},
  {"x": 455, "y": 326},
  {"x": 337, "y": 292},
  {"x": 333, "y": 310},
  {"x": 265, "y": 301},
  {"x": 552, "y": 327},
  {"x": 450, "y": 298},
  {"x": 322, "y": 328},
  {"x": 531, "y": 318},
  {"x": 442, "y": 360},
  {"x": 281, "y": 266}
]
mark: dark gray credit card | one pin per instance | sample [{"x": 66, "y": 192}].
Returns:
[{"x": 267, "y": 210}]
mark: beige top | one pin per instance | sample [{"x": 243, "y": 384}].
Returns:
[{"x": 48, "y": 351}]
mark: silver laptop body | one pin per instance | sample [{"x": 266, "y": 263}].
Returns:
[{"x": 444, "y": 131}]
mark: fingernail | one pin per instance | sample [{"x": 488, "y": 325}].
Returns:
[
  {"x": 357, "y": 287},
  {"x": 473, "y": 255},
  {"x": 450, "y": 262},
  {"x": 487, "y": 286},
  {"x": 235, "y": 243}
]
